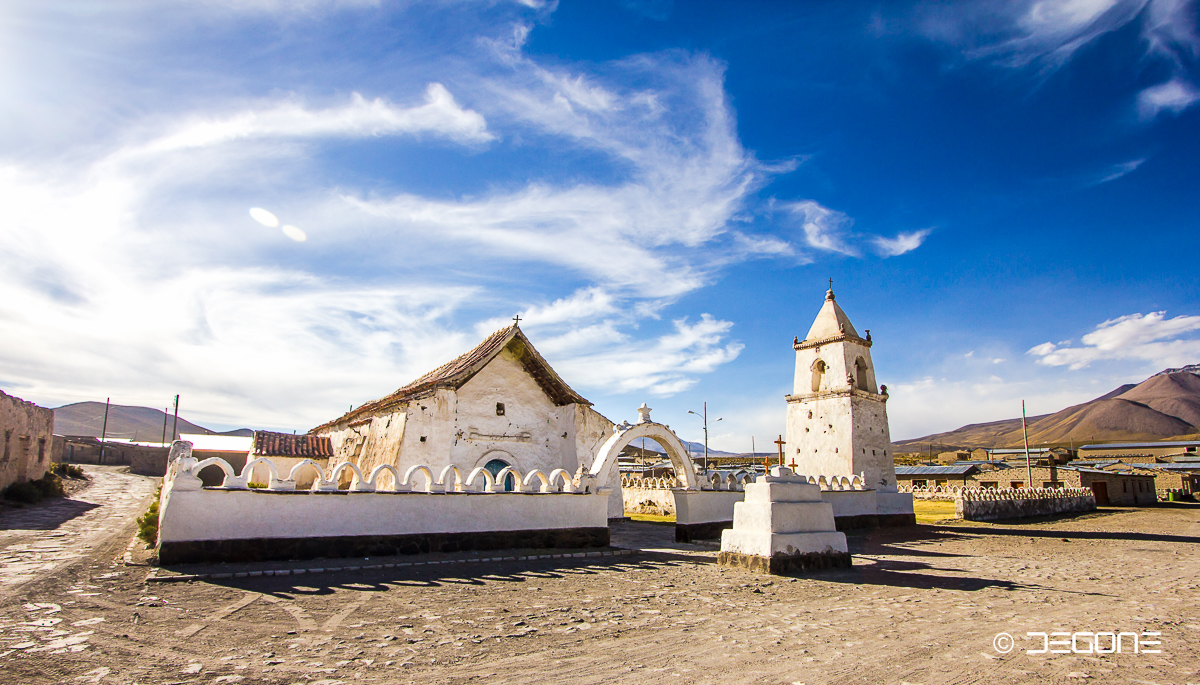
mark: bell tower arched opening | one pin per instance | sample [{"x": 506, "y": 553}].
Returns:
[{"x": 818, "y": 375}]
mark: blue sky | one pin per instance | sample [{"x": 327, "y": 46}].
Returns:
[{"x": 1003, "y": 192}]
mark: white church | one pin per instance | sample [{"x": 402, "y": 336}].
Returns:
[{"x": 502, "y": 405}]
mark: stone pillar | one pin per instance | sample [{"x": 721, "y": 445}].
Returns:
[{"x": 783, "y": 526}]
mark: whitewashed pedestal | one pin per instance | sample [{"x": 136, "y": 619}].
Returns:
[{"x": 783, "y": 526}]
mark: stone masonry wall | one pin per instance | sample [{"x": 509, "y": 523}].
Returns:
[
  {"x": 27, "y": 432},
  {"x": 984, "y": 506}
]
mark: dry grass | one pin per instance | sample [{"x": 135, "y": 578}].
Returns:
[
  {"x": 653, "y": 518},
  {"x": 932, "y": 511}
]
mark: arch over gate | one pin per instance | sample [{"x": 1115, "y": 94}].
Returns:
[{"x": 606, "y": 459}]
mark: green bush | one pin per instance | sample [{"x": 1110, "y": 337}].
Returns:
[
  {"x": 50, "y": 485},
  {"x": 148, "y": 524},
  {"x": 67, "y": 471},
  {"x": 256, "y": 486},
  {"x": 25, "y": 491}
]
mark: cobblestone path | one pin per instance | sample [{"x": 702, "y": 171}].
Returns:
[{"x": 40, "y": 538}]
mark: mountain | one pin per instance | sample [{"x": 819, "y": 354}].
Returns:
[
  {"x": 128, "y": 423},
  {"x": 1164, "y": 406}
]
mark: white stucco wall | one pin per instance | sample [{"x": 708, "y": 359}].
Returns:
[
  {"x": 212, "y": 514},
  {"x": 705, "y": 506}
]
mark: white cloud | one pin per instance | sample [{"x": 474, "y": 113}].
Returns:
[
  {"x": 903, "y": 242},
  {"x": 1174, "y": 96},
  {"x": 937, "y": 404},
  {"x": 1151, "y": 338},
  {"x": 824, "y": 228},
  {"x": 440, "y": 115},
  {"x": 134, "y": 269},
  {"x": 583, "y": 304},
  {"x": 666, "y": 365}
]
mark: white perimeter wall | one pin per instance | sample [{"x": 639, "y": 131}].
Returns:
[{"x": 212, "y": 514}]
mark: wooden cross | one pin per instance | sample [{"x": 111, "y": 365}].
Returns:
[
  {"x": 517, "y": 319},
  {"x": 831, "y": 284},
  {"x": 781, "y": 443},
  {"x": 793, "y": 464}
]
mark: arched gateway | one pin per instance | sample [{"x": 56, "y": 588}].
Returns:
[{"x": 606, "y": 459}]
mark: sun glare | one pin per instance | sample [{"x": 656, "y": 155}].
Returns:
[
  {"x": 295, "y": 233},
  {"x": 264, "y": 217}
]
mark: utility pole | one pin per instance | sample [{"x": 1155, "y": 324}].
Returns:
[
  {"x": 165, "y": 415},
  {"x": 175, "y": 425},
  {"x": 104, "y": 430},
  {"x": 704, "y": 416},
  {"x": 753, "y": 451},
  {"x": 1025, "y": 433}
]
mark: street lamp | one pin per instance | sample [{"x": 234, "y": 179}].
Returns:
[{"x": 704, "y": 416}]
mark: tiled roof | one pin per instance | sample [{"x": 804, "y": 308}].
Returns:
[
  {"x": 268, "y": 444},
  {"x": 458, "y": 371}
]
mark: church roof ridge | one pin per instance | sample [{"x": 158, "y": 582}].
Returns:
[
  {"x": 831, "y": 321},
  {"x": 456, "y": 372}
]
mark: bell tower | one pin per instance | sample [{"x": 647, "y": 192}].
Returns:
[{"x": 837, "y": 416}]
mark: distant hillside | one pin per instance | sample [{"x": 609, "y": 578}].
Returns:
[
  {"x": 127, "y": 423},
  {"x": 1164, "y": 406}
]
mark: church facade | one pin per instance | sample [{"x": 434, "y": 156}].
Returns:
[{"x": 498, "y": 405}]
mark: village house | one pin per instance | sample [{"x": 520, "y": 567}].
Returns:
[
  {"x": 1111, "y": 488},
  {"x": 1164, "y": 450},
  {"x": 936, "y": 476},
  {"x": 28, "y": 434},
  {"x": 496, "y": 406},
  {"x": 1179, "y": 480}
]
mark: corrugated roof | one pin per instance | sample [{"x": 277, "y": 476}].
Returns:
[
  {"x": 956, "y": 470},
  {"x": 1142, "y": 445},
  {"x": 268, "y": 444},
  {"x": 458, "y": 371}
]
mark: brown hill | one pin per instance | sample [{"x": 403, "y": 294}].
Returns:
[
  {"x": 124, "y": 422},
  {"x": 1166, "y": 405}
]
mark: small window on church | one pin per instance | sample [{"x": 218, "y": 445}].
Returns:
[{"x": 499, "y": 409}]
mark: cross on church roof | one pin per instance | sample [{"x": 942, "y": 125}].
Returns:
[{"x": 517, "y": 320}]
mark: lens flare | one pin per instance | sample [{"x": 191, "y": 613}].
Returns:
[
  {"x": 294, "y": 233},
  {"x": 264, "y": 217}
]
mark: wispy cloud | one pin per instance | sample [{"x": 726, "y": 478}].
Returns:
[
  {"x": 1046, "y": 35},
  {"x": 147, "y": 245},
  {"x": 902, "y": 243},
  {"x": 1150, "y": 338},
  {"x": 824, "y": 228},
  {"x": 440, "y": 115},
  {"x": 1174, "y": 96},
  {"x": 1116, "y": 171},
  {"x": 662, "y": 366}
]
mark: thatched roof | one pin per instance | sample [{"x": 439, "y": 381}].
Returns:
[{"x": 455, "y": 373}]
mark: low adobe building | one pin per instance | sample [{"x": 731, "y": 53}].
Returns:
[
  {"x": 28, "y": 434},
  {"x": 1164, "y": 450}
]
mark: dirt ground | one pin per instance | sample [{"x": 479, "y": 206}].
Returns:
[{"x": 921, "y": 605}]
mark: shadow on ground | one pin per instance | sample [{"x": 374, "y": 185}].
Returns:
[{"x": 45, "y": 515}]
